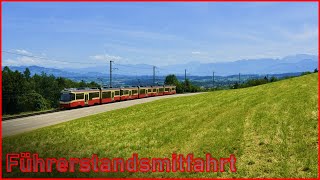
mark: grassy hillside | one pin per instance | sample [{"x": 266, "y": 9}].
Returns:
[{"x": 271, "y": 129}]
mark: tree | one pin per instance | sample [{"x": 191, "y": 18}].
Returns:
[
  {"x": 273, "y": 79},
  {"x": 6, "y": 69},
  {"x": 32, "y": 102},
  {"x": 82, "y": 84},
  {"x": 181, "y": 87},
  {"x": 171, "y": 80},
  {"x": 315, "y": 70},
  {"x": 14, "y": 85},
  {"x": 27, "y": 73},
  {"x": 235, "y": 86},
  {"x": 305, "y": 73},
  {"x": 93, "y": 84}
]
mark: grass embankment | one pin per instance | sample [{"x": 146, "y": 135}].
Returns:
[{"x": 271, "y": 129}]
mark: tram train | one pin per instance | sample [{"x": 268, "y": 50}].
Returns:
[{"x": 73, "y": 97}]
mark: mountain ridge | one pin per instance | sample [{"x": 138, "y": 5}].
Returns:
[{"x": 288, "y": 64}]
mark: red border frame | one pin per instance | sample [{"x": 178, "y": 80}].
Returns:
[
  {"x": 160, "y": 1},
  {"x": 1, "y": 89}
]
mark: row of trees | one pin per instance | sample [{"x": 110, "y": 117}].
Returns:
[
  {"x": 308, "y": 72},
  {"x": 254, "y": 82},
  {"x": 183, "y": 86},
  {"x": 22, "y": 92},
  {"x": 265, "y": 80}
]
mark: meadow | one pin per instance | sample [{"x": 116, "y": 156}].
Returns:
[{"x": 271, "y": 129}]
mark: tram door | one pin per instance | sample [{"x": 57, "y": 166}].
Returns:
[
  {"x": 86, "y": 98},
  {"x": 112, "y": 95}
]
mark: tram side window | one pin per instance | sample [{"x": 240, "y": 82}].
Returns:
[
  {"x": 142, "y": 91},
  {"x": 149, "y": 90},
  {"x": 134, "y": 91},
  {"x": 106, "y": 94},
  {"x": 166, "y": 89},
  {"x": 93, "y": 95},
  {"x": 80, "y": 96},
  {"x": 154, "y": 90},
  {"x": 160, "y": 89},
  {"x": 124, "y": 92},
  {"x": 117, "y": 93}
]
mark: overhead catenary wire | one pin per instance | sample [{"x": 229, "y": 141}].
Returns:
[{"x": 132, "y": 66}]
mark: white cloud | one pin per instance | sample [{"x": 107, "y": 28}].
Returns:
[
  {"x": 23, "y": 61},
  {"x": 196, "y": 52},
  {"x": 22, "y": 51},
  {"x": 105, "y": 57},
  {"x": 26, "y": 58},
  {"x": 203, "y": 56}
]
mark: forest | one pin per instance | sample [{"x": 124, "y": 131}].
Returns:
[{"x": 22, "y": 92}]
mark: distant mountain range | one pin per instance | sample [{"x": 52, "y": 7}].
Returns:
[
  {"x": 289, "y": 64},
  {"x": 297, "y": 63}
]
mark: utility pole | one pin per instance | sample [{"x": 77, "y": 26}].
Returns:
[
  {"x": 111, "y": 74},
  {"x": 213, "y": 79},
  {"x": 239, "y": 78},
  {"x": 139, "y": 82},
  {"x": 154, "y": 75}
]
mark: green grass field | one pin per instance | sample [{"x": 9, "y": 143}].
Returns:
[{"x": 272, "y": 129}]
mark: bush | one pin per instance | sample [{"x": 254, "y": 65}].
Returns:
[
  {"x": 255, "y": 82},
  {"x": 273, "y": 79},
  {"x": 32, "y": 102},
  {"x": 305, "y": 73}
]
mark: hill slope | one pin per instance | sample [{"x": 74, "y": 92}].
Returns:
[{"x": 271, "y": 129}]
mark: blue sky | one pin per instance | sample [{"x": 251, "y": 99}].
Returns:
[{"x": 156, "y": 33}]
